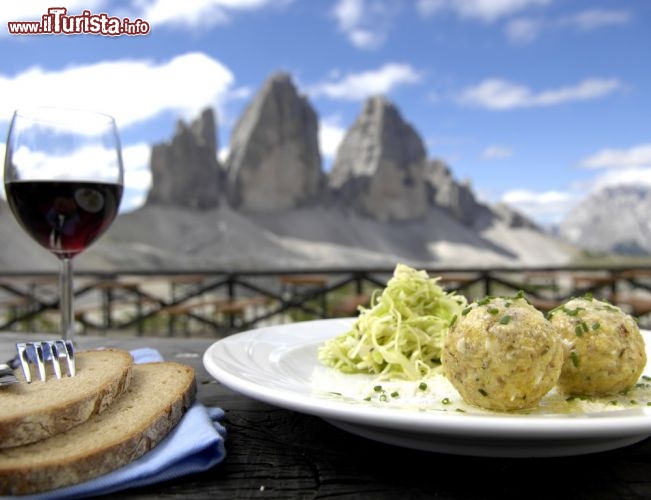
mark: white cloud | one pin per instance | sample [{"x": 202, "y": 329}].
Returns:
[
  {"x": 498, "y": 94},
  {"x": 197, "y": 13},
  {"x": 624, "y": 176},
  {"x": 526, "y": 196},
  {"x": 358, "y": 86},
  {"x": 184, "y": 84},
  {"x": 331, "y": 133},
  {"x": 151, "y": 89},
  {"x": 596, "y": 18},
  {"x": 526, "y": 30},
  {"x": 193, "y": 14},
  {"x": 618, "y": 167},
  {"x": 93, "y": 161},
  {"x": 349, "y": 13},
  {"x": 523, "y": 30},
  {"x": 635, "y": 157},
  {"x": 222, "y": 154},
  {"x": 137, "y": 174},
  {"x": 366, "y": 23},
  {"x": 482, "y": 10},
  {"x": 34, "y": 9},
  {"x": 546, "y": 207},
  {"x": 131, "y": 200},
  {"x": 496, "y": 153}
]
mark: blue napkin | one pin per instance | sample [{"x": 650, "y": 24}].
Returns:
[{"x": 196, "y": 444}]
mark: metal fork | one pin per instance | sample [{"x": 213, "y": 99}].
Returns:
[{"x": 38, "y": 353}]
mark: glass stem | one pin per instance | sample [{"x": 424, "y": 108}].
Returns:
[{"x": 66, "y": 299}]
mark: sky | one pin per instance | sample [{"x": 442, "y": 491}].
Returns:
[{"x": 536, "y": 103}]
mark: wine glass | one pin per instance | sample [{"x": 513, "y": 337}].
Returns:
[{"x": 63, "y": 181}]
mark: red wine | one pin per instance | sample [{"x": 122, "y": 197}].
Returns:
[{"x": 64, "y": 216}]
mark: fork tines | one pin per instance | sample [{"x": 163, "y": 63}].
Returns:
[{"x": 39, "y": 353}]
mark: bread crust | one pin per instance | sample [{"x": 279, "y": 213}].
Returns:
[
  {"x": 130, "y": 427},
  {"x": 36, "y": 411}
]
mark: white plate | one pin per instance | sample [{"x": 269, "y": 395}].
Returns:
[{"x": 277, "y": 365}]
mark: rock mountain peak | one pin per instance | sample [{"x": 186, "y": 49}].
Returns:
[
  {"x": 381, "y": 169},
  {"x": 185, "y": 171}
]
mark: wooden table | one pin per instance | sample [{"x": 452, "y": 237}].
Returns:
[{"x": 279, "y": 454}]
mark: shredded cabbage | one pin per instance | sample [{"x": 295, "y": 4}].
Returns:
[{"x": 401, "y": 335}]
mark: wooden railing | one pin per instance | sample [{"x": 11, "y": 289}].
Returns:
[{"x": 218, "y": 302}]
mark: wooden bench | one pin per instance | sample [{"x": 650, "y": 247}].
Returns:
[
  {"x": 296, "y": 280},
  {"x": 292, "y": 284},
  {"x": 456, "y": 280},
  {"x": 230, "y": 309},
  {"x": 15, "y": 307},
  {"x": 544, "y": 305},
  {"x": 602, "y": 286},
  {"x": 636, "y": 306}
]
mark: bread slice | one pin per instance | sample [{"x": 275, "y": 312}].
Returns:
[
  {"x": 36, "y": 411},
  {"x": 157, "y": 398}
]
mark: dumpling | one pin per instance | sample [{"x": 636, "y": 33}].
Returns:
[
  {"x": 502, "y": 354},
  {"x": 604, "y": 349}
]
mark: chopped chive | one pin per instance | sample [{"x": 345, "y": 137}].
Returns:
[
  {"x": 483, "y": 392},
  {"x": 460, "y": 410},
  {"x": 578, "y": 331},
  {"x": 575, "y": 359},
  {"x": 505, "y": 319},
  {"x": 492, "y": 310},
  {"x": 596, "y": 326},
  {"x": 466, "y": 311},
  {"x": 395, "y": 394},
  {"x": 446, "y": 401},
  {"x": 571, "y": 312},
  {"x": 377, "y": 388},
  {"x": 422, "y": 386}
]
